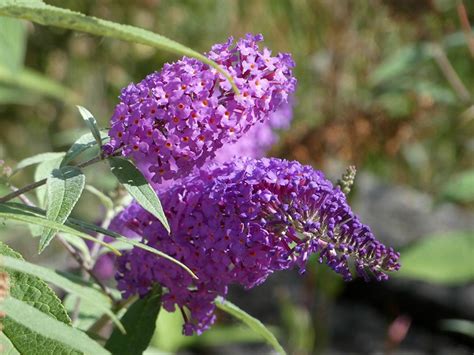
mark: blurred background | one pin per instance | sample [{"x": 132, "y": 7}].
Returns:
[{"x": 385, "y": 85}]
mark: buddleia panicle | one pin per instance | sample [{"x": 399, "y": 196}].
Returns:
[
  {"x": 175, "y": 119},
  {"x": 238, "y": 222}
]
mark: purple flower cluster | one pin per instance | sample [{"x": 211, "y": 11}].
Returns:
[
  {"x": 253, "y": 144},
  {"x": 238, "y": 222},
  {"x": 258, "y": 140},
  {"x": 175, "y": 119}
]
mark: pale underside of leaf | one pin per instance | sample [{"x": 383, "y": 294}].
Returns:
[
  {"x": 136, "y": 184},
  {"x": 33, "y": 215},
  {"x": 25, "y": 214},
  {"x": 37, "y": 159},
  {"x": 64, "y": 188},
  {"x": 91, "y": 123},
  {"x": 82, "y": 144},
  {"x": 37, "y": 321}
]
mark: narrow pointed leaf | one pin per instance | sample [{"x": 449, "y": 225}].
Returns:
[
  {"x": 43, "y": 170},
  {"x": 92, "y": 227},
  {"x": 34, "y": 215},
  {"x": 48, "y": 327},
  {"x": 36, "y": 159},
  {"x": 136, "y": 184},
  {"x": 64, "y": 187},
  {"x": 39, "y": 12},
  {"x": 88, "y": 295},
  {"x": 139, "y": 322},
  {"x": 252, "y": 322},
  {"x": 82, "y": 144},
  {"x": 91, "y": 122},
  {"x": 119, "y": 245},
  {"x": 24, "y": 214}
]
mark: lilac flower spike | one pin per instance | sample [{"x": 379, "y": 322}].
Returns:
[
  {"x": 237, "y": 223},
  {"x": 259, "y": 139},
  {"x": 175, "y": 119}
]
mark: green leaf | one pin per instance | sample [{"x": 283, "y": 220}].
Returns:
[
  {"x": 7, "y": 347},
  {"x": 84, "y": 143},
  {"x": 44, "y": 14},
  {"x": 119, "y": 245},
  {"x": 33, "y": 215},
  {"x": 22, "y": 213},
  {"x": 12, "y": 44},
  {"x": 460, "y": 188},
  {"x": 36, "y": 82},
  {"x": 43, "y": 170},
  {"x": 91, "y": 122},
  {"x": 88, "y": 295},
  {"x": 47, "y": 326},
  {"x": 136, "y": 184},
  {"x": 37, "y": 159},
  {"x": 92, "y": 227},
  {"x": 35, "y": 292},
  {"x": 139, "y": 322},
  {"x": 441, "y": 258},
  {"x": 252, "y": 322},
  {"x": 64, "y": 187},
  {"x": 461, "y": 326}
]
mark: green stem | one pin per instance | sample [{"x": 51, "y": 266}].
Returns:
[{"x": 55, "y": 16}]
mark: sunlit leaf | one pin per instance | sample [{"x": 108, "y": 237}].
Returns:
[
  {"x": 64, "y": 187},
  {"x": 44, "y": 14},
  {"x": 43, "y": 170},
  {"x": 84, "y": 143},
  {"x": 20, "y": 213},
  {"x": 136, "y": 184},
  {"x": 33, "y": 215},
  {"x": 91, "y": 123},
  {"x": 37, "y": 159}
]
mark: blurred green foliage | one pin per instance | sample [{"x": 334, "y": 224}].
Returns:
[
  {"x": 382, "y": 85},
  {"x": 370, "y": 89},
  {"x": 443, "y": 258}
]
